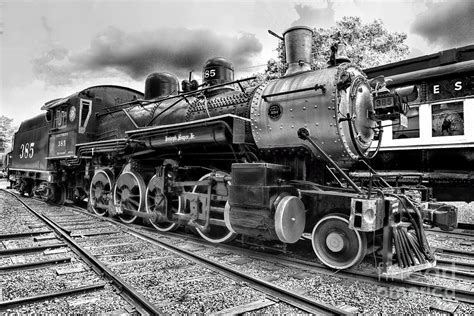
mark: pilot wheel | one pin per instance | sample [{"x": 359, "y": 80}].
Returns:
[{"x": 336, "y": 245}]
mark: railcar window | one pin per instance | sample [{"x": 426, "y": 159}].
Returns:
[
  {"x": 413, "y": 129},
  {"x": 447, "y": 119}
]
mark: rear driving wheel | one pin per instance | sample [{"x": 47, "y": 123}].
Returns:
[
  {"x": 218, "y": 232},
  {"x": 336, "y": 245},
  {"x": 157, "y": 202},
  {"x": 100, "y": 191},
  {"x": 129, "y": 195}
]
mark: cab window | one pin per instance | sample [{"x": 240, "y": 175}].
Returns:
[
  {"x": 84, "y": 114},
  {"x": 60, "y": 117}
]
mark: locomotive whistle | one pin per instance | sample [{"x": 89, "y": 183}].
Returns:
[{"x": 275, "y": 34}]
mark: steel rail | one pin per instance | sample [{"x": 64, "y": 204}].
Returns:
[
  {"x": 454, "y": 252},
  {"x": 141, "y": 304},
  {"x": 450, "y": 233},
  {"x": 456, "y": 264}
]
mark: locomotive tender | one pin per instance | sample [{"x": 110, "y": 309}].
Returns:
[{"x": 227, "y": 160}]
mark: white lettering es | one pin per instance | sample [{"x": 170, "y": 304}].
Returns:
[{"x": 458, "y": 85}]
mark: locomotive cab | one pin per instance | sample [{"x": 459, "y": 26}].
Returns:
[
  {"x": 73, "y": 120},
  {"x": 68, "y": 121}
]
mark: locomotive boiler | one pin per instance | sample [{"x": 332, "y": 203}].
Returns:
[{"x": 227, "y": 159}]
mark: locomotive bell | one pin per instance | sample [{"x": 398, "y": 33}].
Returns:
[
  {"x": 217, "y": 70},
  {"x": 160, "y": 84},
  {"x": 298, "y": 40},
  {"x": 338, "y": 54}
]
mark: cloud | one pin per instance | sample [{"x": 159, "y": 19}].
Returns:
[
  {"x": 314, "y": 17},
  {"x": 53, "y": 67},
  {"x": 446, "y": 24},
  {"x": 176, "y": 50},
  {"x": 45, "y": 24}
]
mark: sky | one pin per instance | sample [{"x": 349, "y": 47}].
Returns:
[{"x": 52, "y": 49}]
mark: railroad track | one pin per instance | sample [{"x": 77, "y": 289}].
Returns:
[
  {"x": 451, "y": 270},
  {"x": 81, "y": 262},
  {"x": 393, "y": 288},
  {"x": 106, "y": 243},
  {"x": 460, "y": 290}
]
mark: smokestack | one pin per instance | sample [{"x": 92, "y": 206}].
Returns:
[{"x": 298, "y": 40}]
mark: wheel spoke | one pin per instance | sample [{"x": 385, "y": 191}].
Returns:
[
  {"x": 99, "y": 190},
  {"x": 131, "y": 201},
  {"x": 129, "y": 194}
]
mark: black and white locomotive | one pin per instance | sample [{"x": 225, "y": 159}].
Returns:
[{"x": 228, "y": 160}]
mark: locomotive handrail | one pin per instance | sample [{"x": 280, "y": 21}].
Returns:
[
  {"x": 177, "y": 125},
  {"x": 375, "y": 174},
  {"x": 315, "y": 88},
  {"x": 119, "y": 107}
]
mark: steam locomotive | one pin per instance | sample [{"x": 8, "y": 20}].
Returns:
[{"x": 224, "y": 159}]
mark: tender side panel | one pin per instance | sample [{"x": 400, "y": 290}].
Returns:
[{"x": 31, "y": 145}]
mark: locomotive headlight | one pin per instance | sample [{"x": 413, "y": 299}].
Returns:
[{"x": 72, "y": 113}]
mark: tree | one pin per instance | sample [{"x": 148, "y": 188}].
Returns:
[
  {"x": 6, "y": 133},
  {"x": 368, "y": 45}
]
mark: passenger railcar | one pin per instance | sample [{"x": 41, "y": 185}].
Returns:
[
  {"x": 436, "y": 146},
  {"x": 224, "y": 159}
]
